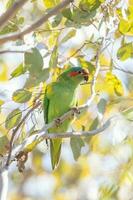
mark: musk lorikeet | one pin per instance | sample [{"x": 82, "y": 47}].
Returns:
[{"x": 60, "y": 97}]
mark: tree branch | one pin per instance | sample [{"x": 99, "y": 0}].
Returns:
[
  {"x": 12, "y": 51},
  {"x": 16, "y": 130},
  {"x": 3, "y": 184},
  {"x": 38, "y": 23},
  {"x": 123, "y": 70},
  {"x": 42, "y": 134},
  {"x": 10, "y": 13}
]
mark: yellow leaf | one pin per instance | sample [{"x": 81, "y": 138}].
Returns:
[
  {"x": 3, "y": 72},
  {"x": 115, "y": 83},
  {"x": 130, "y": 2},
  {"x": 104, "y": 60}
]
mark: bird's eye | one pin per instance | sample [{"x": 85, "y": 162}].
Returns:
[{"x": 79, "y": 72}]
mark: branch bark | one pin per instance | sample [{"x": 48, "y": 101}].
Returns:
[
  {"x": 34, "y": 26},
  {"x": 10, "y": 13},
  {"x": 3, "y": 184},
  {"x": 16, "y": 130},
  {"x": 42, "y": 134}
]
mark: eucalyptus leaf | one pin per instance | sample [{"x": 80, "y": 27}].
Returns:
[
  {"x": 76, "y": 145},
  {"x": 102, "y": 105},
  {"x": 34, "y": 60},
  {"x": 125, "y": 52},
  {"x": 13, "y": 119},
  {"x": 21, "y": 96},
  {"x": 54, "y": 57},
  {"x": 34, "y": 80},
  {"x": 68, "y": 36},
  {"x": 4, "y": 142},
  {"x": 18, "y": 71}
]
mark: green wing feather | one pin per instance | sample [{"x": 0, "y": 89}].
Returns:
[
  {"x": 55, "y": 146},
  {"x": 46, "y": 106}
]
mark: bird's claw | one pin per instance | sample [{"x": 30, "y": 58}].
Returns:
[
  {"x": 57, "y": 122},
  {"x": 75, "y": 111}
]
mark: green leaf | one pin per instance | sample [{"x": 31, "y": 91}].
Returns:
[
  {"x": 57, "y": 20},
  {"x": 67, "y": 13},
  {"x": 88, "y": 5},
  {"x": 68, "y": 36},
  {"x": 102, "y": 105},
  {"x": 9, "y": 3},
  {"x": 1, "y": 102},
  {"x": 128, "y": 114},
  {"x": 34, "y": 60},
  {"x": 125, "y": 52},
  {"x": 11, "y": 27},
  {"x": 21, "y": 96},
  {"x": 18, "y": 71},
  {"x": 13, "y": 119},
  {"x": 54, "y": 57},
  {"x": 76, "y": 145},
  {"x": 94, "y": 124},
  {"x": 34, "y": 80},
  {"x": 4, "y": 142}
]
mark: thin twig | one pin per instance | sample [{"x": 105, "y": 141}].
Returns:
[
  {"x": 10, "y": 13},
  {"x": 16, "y": 130},
  {"x": 42, "y": 134},
  {"x": 12, "y": 51},
  {"x": 123, "y": 70},
  {"x": 34, "y": 26},
  {"x": 92, "y": 88}
]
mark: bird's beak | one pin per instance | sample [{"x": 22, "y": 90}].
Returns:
[{"x": 85, "y": 74}]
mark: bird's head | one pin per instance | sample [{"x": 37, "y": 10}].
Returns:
[{"x": 77, "y": 74}]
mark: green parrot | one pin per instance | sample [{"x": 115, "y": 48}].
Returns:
[{"x": 60, "y": 97}]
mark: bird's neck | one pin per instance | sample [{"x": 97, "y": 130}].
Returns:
[{"x": 69, "y": 82}]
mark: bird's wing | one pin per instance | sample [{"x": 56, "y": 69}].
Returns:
[{"x": 46, "y": 106}]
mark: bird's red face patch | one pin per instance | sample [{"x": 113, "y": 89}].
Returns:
[{"x": 73, "y": 73}]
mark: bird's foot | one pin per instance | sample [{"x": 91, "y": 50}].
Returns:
[
  {"x": 46, "y": 142},
  {"x": 75, "y": 111},
  {"x": 57, "y": 122}
]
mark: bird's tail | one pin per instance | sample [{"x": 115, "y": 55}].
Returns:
[{"x": 55, "y": 150}]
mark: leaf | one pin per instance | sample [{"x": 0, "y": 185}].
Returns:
[
  {"x": 34, "y": 60},
  {"x": 18, "y": 71},
  {"x": 1, "y": 102},
  {"x": 3, "y": 72},
  {"x": 21, "y": 96},
  {"x": 57, "y": 20},
  {"x": 128, "y": 114},
  {"x": 67, "y": 13},
  {"x": 102, "y": 105},
  {"x": 125, "y": 52},
  {"x": 94, "y": 124},
  {"x": 34, "y": 80},
  {"x": 9, "y": 3},
  {"x": 54, "y": 57},
  {"x": 125, "y": 26},
  {"x": 68, "y": 36},
  {"x": 88, "y": 5},
  {"x": 50, "y": 3},
  {"x": 76, "y": 145},
  {"x": 13, "y": 119},
  {"x": 4, "y": 142},
  {"x": 114, "y": 84}
]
